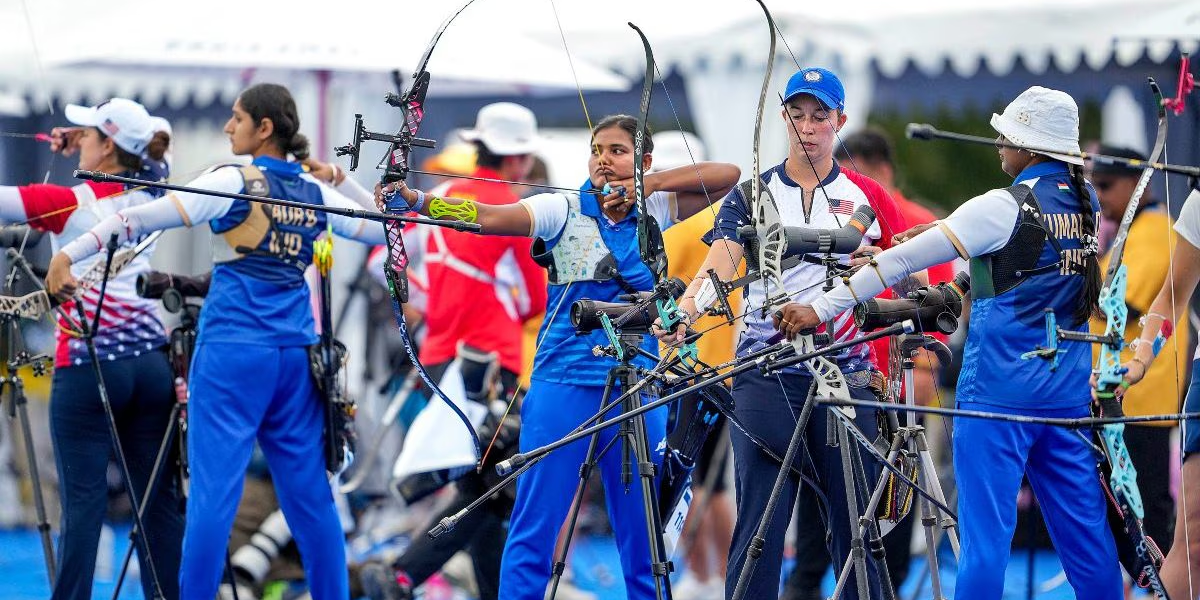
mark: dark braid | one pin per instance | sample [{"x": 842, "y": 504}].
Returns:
[{"x": 1089, "y": 298}]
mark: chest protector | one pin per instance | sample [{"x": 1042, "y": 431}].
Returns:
[
  {"x": 1012, "y": 265},
  {"x": 580, "y": 254},
  {"x": 241, "y": 239},
  {"x": 267, "y": 231}
]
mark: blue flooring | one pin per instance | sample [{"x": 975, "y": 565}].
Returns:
[
  {"x": 23, "y": 568},
  {"x": 593, "y": 561}
]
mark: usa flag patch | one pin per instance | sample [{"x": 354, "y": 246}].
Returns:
[
  {"x": 109, "y": 127},
  {"x": 841, "y": 207}
]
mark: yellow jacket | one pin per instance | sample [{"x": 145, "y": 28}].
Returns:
[{"x": 1147, "y": 261}]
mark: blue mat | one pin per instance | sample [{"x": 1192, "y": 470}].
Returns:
[
  {"x": 594, "y": 562},
  {"x": 23, "y": 569}
]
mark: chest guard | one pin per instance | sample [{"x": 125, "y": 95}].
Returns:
[
  {"x": 241, "y": 239},
  {"x": 265, "y": 234},
  {"x": 1000, "y": 272},
  {"x": 580, "y": 253}
]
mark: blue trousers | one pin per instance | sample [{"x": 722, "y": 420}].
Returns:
[
  {"x": 544, "y": 493},
  {"x": 768, "y": 407},
  {"x": 239, "y": 393},
  {"x": 141, "y": 395},
  {"x": 990, "y": 459}
]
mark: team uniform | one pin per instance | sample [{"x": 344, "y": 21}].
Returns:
[
  {"x": 129, "y": 343},
  {"x": 1017, "y": 272},
  {"x": 769, "y": 405},
  {"x": 588, "y": 257},
  {"x": 250, "y": 377}
]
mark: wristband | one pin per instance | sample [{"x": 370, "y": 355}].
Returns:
[{"x": 706, "y": 295}]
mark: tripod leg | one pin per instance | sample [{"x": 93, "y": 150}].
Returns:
[
  {"x": 39, "y": 501},
  {"x": 760, "y": 535},
  {"x": 865, "y": 525},
  {"x": 160, "y": 461},
  {"x": 585, "y": 473},
  {"x": 928, "y": 522},
  {"x": 647, "y": 470},
  {"x": 857, "y": 552},
  {"x": 120, "y": 454},
  {"x": 871, "y": 507},
  {"x": 948, "y": 524},
  {"x": 870, "y": 527}
]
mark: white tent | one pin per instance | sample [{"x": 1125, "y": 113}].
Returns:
[
  {"x": 723, "y": 60},
  {"x": 126, "y": 47}
]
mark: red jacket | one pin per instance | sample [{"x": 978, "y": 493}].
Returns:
[{"x": 481, "y": 288}]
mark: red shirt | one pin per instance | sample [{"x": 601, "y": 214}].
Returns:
[
  {"x": 914, "y": 214},
  {"x": 481, "y": 288}
]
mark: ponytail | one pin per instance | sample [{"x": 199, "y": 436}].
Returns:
[
  {"x": 157, "y": 148},
  {"x": 298, "y": 146},
  {"x": 1088, "y": 304}
]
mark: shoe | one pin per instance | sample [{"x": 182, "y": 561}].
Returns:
[
  {"x": 381, "y": 582},
  {"x": 690, "y": 588}
]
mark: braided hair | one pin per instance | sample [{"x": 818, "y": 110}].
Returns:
[{"x": 1088, "y": 304}]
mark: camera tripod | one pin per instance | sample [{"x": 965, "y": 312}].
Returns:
[
  {"x": 633, "y": 438},
  {"x": 910, "y": 446},
  {"x": 17, "y": 407},
  {"x": 180, "y": 347}
]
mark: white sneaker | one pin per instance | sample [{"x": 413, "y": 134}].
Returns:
[{"x": 690, "y": 588}]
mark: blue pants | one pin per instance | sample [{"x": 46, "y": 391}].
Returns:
[
  {"x": 990, "y": 458},
  {"x": 141, "y": 395},
  {"x": 544, "y": 493},
  {"x": 239, "y": 393},
  {"x": 762, "y": 408}
]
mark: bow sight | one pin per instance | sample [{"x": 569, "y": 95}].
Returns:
[{"x": 395, "y": 162}]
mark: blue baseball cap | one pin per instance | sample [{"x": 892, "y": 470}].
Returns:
[{"x": 820, "y": 83}]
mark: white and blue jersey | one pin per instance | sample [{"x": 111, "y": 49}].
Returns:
[
  {"x": 841, "y": 193},
  {"x": 262, "y": 288},
  {"x": 563, "y": 356},
  {"x": 1004, "y": 327}
]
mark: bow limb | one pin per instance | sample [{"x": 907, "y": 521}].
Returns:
[
  {"x": 1122, "y": 477},
  {"x": 412, "y": 105}
]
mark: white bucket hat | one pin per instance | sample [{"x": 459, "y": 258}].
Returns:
[
  {"x": 1042, "y": 118},
  {"x": 123, "y": 120},
  {"x": 676, "y": 149},
  {"x": 505, "y": 128}
]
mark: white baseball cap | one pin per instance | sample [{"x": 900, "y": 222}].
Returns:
[
  {"x": 123, "y": 120},
  {"x": 1042, "y": 118},
  {"x": 505, "y": 129}
]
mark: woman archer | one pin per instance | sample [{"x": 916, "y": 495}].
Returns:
[
  {"x": 589, "y": 244},
  {"x": 250, "y": 377},
  {"x": 1032, "y": 248},
  {"x": 117, "y": 137}
]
